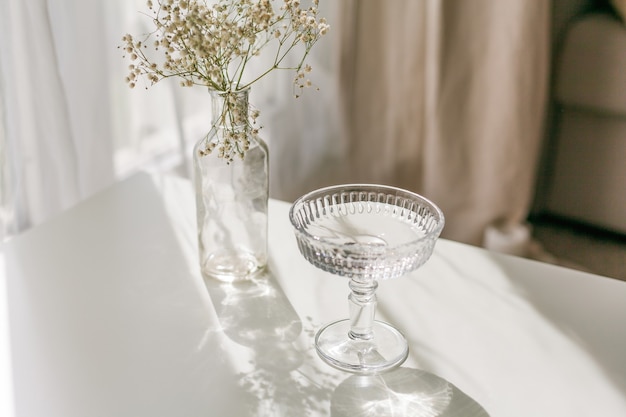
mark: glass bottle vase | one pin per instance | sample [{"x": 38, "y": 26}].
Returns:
[{"x": 231, "y": 176}]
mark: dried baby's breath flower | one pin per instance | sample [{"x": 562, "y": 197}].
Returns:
[{"x": 212, "y": 44}]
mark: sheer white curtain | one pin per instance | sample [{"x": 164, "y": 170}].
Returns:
[
  {"x": 39, "y": 166},
  {"x": 55, "y": 92},
  {"x": 71, "y": 126}
]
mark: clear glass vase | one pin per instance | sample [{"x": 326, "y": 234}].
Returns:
[{"x": 231, "y": 176}]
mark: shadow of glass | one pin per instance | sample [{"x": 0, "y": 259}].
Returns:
[
  {"x": 401, "y": 392},
  {"x": 257, "y": 314}
]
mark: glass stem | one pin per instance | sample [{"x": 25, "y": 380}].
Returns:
[{"x": 362, "y": 302}]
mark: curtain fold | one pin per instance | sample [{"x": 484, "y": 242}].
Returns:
[
  {"x": 306, "y": 135},
  {"x": 54, "y": 99},
  {"x": 447, "y": 98},
  {"x": 383, "y": 87},
  {"x": 489, "y": 105}
]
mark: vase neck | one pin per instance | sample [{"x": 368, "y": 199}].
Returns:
[{"x": 229, "y": 109}]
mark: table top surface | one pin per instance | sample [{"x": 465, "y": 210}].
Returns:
[{"x": 103, "y": 312}]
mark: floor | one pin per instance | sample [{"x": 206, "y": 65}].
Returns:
[{"x": 578, "y": 246}]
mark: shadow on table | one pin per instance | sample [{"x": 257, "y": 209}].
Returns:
[
  {"x": 256, "y": 314},
  {"x": 401, "y": 392},
  {"x": 283, "y": 380}
]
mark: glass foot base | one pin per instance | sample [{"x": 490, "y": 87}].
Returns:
[
  {"x": 230, "y": 267},
  {"x": 387, "y": 349}
]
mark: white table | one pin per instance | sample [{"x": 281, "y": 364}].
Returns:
[{"x": 103, "y": 313}]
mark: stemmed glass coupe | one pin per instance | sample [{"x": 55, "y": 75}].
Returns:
[{"x": 366, "y": 233}]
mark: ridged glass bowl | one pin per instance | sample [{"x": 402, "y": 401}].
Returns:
[{"x": 366, "y": 233}]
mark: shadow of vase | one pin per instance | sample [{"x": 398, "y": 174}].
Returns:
[
  {"x": 257, "y": 314},
  {"x": 402, "y": 392}
]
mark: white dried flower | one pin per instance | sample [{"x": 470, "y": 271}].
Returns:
[{"x": 211, "y": 45}]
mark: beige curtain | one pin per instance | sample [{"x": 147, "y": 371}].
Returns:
[{"x": 447, "y": 98}]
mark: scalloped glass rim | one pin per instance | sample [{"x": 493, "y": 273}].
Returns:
[{"x": 385, "y": 191}]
